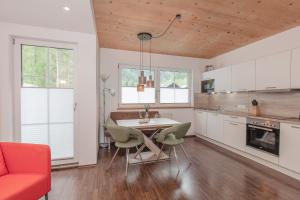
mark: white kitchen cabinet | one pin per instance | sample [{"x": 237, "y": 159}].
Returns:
[
  {"x": 208, "y": 75},
  {"x": 273, "y": 72},
  {"x": 243, "y": 77},
  {"x": 289, "y": 147},
  {"x": 295, "y": 69},
  {"x": 235, "y": 134},
  {"x": 214, "y": 126},
  {"x": 223, "y": 79},
  {"x": 200, "y": 122}
]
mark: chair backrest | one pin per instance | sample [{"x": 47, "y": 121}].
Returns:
[
  {"x": 182, "y": 129},
  {"x": 110, "y": 122},
  {"x": 119, "y": 133}
]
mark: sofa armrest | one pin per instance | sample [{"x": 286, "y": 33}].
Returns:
[{"x": 27, "y": 158}]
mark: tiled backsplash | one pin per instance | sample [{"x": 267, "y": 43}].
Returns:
[{"x": 286, "y": 104}]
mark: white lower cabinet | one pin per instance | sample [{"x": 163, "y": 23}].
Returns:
[
  {"x": 200, "y": 125},
  {"x": 289, "y": 147},
  {"x": 214, "y": 126},
  {"x": 235, "y": 134}
]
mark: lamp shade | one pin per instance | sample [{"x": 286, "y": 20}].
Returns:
[
  {"x": 150, "y": 82},
  {"x": 140, "y": 87},
  {"x": 142, "y": 78}
]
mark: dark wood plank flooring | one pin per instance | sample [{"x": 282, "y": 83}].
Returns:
[{"x": 212, "y": 175}]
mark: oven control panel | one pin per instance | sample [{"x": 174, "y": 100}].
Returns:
[{"x": 263, "y": 123}]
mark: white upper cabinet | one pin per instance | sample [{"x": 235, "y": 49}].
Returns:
[
  {"x": 223, "y": 79},
  {"x": 295, "y": 69},
  {"x": 243, "y": 77},
  {"x": 208, "y": 75},
  {"x": 289, "y": 147},
  {"x": 274, "y": 71}
]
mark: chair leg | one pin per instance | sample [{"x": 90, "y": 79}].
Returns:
[
  {"x": 186, "y": 155},
  {"x": 170, "y": 150},
  {"x": 139, "y": 154},
  {"x": 109, "y": 144},
  {"x": 127, "y": 160},
  {"x": 46, "y": 196},
  {"x": 112, "y": 159},
  {"x": 175, "y": 154},
  {"x": 158, "y": 156}
]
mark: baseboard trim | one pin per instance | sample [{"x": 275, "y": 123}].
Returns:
[
  {"x": 64, "y": 166},
  {"x": 257, "y": 166}
]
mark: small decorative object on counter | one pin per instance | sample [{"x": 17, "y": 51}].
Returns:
[{"x": 254, "y": 109}]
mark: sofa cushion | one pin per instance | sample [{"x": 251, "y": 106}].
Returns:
[
  {"x": 23, "y": 186},
  {"x": 3, "y": 169}
]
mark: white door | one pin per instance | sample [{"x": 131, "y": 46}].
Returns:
[
  {"x": 274, "y": 71},
  {"x": 235, "y": 135},
  {"x": 243, "y": 77},
  {"x": 223, "y": 79},
  {"x": 45, "y": 96},
  {"x": 200, "y": 122},
  {"x": 295, "y": 69},
  {"x": 214, "y": 128},
  {"x": 289, "y": 147}
]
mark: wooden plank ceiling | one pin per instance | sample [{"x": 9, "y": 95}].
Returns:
[{"x": 207, "y": 28}]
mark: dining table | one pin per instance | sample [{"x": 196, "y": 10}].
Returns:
[{"x": 156, "y": 125}]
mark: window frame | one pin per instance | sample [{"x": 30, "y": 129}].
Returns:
[{"x": 157, "y": 87}]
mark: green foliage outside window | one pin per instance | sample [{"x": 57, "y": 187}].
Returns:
[{"x": 47, "y": 67}]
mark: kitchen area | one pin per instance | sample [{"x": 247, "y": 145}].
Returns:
[{"x": 253, "y": 109}]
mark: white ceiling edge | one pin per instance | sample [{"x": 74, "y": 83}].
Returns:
[{"x": 50, "y": 14}]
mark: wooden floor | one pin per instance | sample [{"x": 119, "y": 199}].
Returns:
[{"x": 212, "y": 175}]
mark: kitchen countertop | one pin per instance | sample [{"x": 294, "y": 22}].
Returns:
[{"x": 288, "y": 120}]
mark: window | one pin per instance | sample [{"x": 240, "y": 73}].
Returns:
[
  {"x": 172, "y": 86},
  {"x": 129, "y": 92},
  {"x": 47, "y": 67}
]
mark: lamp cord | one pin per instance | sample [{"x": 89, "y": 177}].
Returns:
[{"x": 168, "y": 27}]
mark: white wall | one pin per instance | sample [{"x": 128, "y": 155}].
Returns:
[
  {"x": 283, "y": 41},
  {"x": 86, "y": 99},
  {"x": 110, "y": 58}
]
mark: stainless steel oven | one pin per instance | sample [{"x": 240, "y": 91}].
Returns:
[{"x": 263, "y": 134}]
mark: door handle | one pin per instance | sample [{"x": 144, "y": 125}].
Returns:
[
  {"x": 297, "y": 127},
  {"x": 75, "y": 107},
  {"x": 266, "y": 129},
  {"x": 234, "y": 124}
]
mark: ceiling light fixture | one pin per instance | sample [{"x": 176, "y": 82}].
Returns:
[
  {"x": 66, "y": 8},
  {"x": 144, "y": 36}
]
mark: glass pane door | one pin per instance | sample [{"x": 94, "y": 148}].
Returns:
[{"x": 47, "y": 98}]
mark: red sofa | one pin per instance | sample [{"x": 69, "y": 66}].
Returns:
[{"x": 25, "y": 171}]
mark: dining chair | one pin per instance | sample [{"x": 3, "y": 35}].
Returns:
[
  {"x": 173, "y": 137},
  {"x": 125, "y": 138}
]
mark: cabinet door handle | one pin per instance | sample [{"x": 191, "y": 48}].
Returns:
[
  {"x": 297, "y": 127},
  {"x": 234, "y": 124},
  {"x": 271, "y": 87},
  {"x": 242, "y": 90},
  {"x": 234, "y": 117}
]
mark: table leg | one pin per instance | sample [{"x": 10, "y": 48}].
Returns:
[{"x": 144, "y": 145}]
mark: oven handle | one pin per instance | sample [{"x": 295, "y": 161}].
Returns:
[{"x": 266, "y": 129}]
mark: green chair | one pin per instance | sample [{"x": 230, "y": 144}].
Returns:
[
  {"x": 125, "y": 138},
  {"x": 172, "y": 137}
]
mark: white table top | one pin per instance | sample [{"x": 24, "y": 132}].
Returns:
[{"x": 153, "y": 123}]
